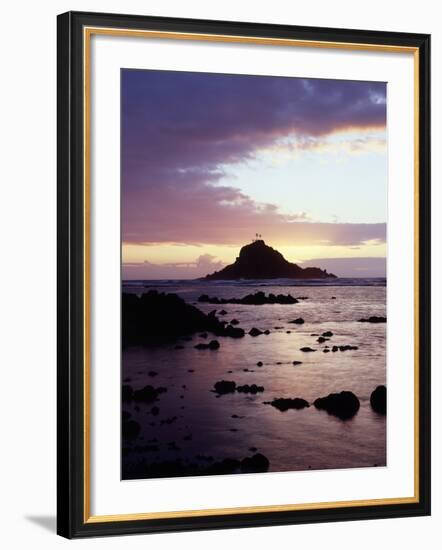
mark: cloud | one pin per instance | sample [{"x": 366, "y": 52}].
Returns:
[
  {"x": 179, "y": 129},
  {"x": 204, "y": 264},
  {"x": 351, "y": 267}
]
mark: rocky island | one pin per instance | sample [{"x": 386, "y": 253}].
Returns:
[{"x": 260, "y": 261}]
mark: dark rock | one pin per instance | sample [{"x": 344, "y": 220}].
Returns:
[
  {"x": 257, "y": 299},
  {"x": 344, "y": 405},
  {"x": 298, "y": 321},
  {"x": 378, "y": 400},
  {"x": 284, "y": 404},
  {"x": 126, "y": 392},
  {"x": 255, "y": 331},
  {"x": 253, "y": 388},
  {"x": 259, "y": 364},
  {"x": 234, "y": 332},
  {"x": 254, "y": 464},
  {"x": 152, "y": 373},
  {"x": 267, "y": 332},
  {"x": 234, "y": 322},
  {"x": 307, "y": 349},
  {"x": 259, "y": 261},
  {"x": 130, "y": 429},
  {"x": 227, "y": 466},
  {"x": 223, "y": 312},
  {"x": 174, "y": 468},
  {"x": 148, "y": 394},
  {"x": 335, "y": 348},
  {"x": 321, "y": 339},
  {"x": 373, "y": 319},
  {"x": 327, "y": 334},
  {"x": 204, "y": 335},
  {"x": 157, "y": 318},
  {"x": 224, "y": 386},
  {"x": 213, "y": 345},
  {"x": 326, "y": 350},
  {"x": 297, "y": 363}
]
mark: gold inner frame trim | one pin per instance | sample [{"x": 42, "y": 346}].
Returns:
[{"x": 87, "y": 34}]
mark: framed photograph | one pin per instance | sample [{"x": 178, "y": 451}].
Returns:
[{"x": 243, "y": 274}]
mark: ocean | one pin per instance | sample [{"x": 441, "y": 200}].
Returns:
[{"x": 190, "y": 424}]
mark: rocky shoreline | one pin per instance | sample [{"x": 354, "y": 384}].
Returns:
[{"x": 156, "y": 319}]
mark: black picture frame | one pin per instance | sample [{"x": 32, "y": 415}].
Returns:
[{"x": 71, "y": 508}]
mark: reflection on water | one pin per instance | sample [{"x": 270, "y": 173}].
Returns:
[{"x": 236, "y": 425}]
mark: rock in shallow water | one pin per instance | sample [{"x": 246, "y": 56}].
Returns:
[
  {"x": 253, "y": 388},
  {"x": 224, "y": 386},
  {"x": 378, "y": 400},
  {"x": 147, "y": 394},
  {"x": 157, "y": 318},
  {"x": 130, "y": 429},
  {"x": 344, "y": 405},
  {"x": 234, "y": 332},
  {"x": 256, "y": 463},
  {"x": 373, "y": 319},
  {"x": 126, "y": 392},
  {"x": 213, "y": 345},
  {"x": 284, "y": 404},
  {"x": 257, "y": 299}
]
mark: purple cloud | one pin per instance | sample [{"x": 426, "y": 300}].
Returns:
[
  {"x": 206, "y": 263},
  {"x": 178, "y": 129}
]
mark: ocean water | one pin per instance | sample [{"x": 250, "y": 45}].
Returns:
[{"x": 193, "y": 423}]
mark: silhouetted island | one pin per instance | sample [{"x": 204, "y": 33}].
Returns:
[{"x": 259, "y": 261}]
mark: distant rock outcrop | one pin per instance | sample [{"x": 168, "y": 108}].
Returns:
[{"x": 259, "y": 261}]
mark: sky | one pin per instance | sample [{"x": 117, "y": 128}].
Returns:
[{"x": 209, "y": 160}]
